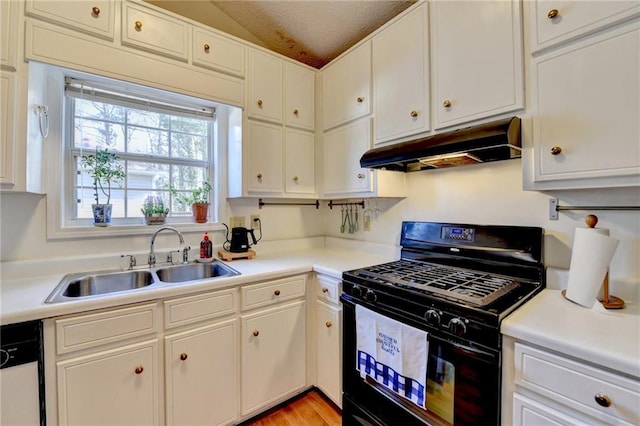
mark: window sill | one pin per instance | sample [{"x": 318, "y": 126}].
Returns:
[{"x": 87, "y": 232}]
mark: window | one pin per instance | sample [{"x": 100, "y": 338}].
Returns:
[{"x": 162, "y": 143}]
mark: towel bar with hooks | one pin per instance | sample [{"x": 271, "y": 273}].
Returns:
[{"x": 554, "y": 208}]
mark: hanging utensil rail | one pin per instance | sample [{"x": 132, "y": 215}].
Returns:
[
  {"x": 554, "y": 208},
  {"x": 262, "y": 203},
  {"x": 358, "y": 203}
]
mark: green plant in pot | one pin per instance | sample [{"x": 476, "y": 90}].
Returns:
[
  {"x": 154, "y": 210},
  {"x": 105, "y": 169},
  {"x": 197, "y": 198}
]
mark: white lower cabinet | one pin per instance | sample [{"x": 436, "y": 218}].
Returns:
[
  {"x": 201, "y": 375},
  {"x": 328, "y": 349},
  {"x": 273, "y": 355},
  {"x": 112, "y": 387}
]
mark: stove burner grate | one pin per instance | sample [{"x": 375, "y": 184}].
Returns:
[{"x": 473, "y": 287}]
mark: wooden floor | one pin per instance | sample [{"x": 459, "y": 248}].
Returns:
[{"x": 311, "y": 409}]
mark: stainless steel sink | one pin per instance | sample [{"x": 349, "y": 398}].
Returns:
[
  {"x": 98, "y": 283},
  {"x": 194, "y": 271},
  {"x": 94, "y": 284}
]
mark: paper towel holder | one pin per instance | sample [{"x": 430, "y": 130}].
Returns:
[{"x": 608, "y": 301}]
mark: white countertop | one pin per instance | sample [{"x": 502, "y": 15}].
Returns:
[
  {"x": 22, "y": 299},
  {"x": 609, "y": 338}
]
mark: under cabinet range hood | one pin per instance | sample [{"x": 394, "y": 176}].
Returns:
[{"x": 498, "y": 140}]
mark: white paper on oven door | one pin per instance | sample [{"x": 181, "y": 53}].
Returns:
[{"x": 392, "y": 353}]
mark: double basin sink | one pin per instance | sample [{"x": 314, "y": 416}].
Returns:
[{"x": 91, "y": 284}]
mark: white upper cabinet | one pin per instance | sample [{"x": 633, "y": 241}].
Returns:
[
  {"x": 346, "y": 87},
  {"x": 264, "y": 158},
  {"x": 151, "y": 30},
  {"x": 477, "y": 60},
  {"x": 401, "y": 77},
  {"x": 300, "y": 86},
  {"x": 300, "y": 175},
  {"x": 8, "y": 34},
  {"x": 96, "y": 17},
  {"x": 212, "y": 50},
  {"x": 557, "y": 21},
  {"x": 264, "y": 86}
]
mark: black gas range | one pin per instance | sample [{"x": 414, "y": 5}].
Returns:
[{"x": 456, "y": 282}]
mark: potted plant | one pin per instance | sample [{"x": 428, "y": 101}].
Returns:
[
  {"x": 154, "y": 210},
  {"x": 198, "y": 199},
  {"x": 105, "y": 170}
]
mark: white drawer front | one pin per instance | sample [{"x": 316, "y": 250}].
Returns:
[
  {"x": 328, "y": 289},
  {"x": 272, "y": 292},
  {"x": 201, "y": 307},
  {"x": 95, "y": 17},
  {"x": 149, "y": 30},
  {"x": 578, "y": 385},
  {"x": 220, "y": 53},
  {"x": 85, "y": 331}
]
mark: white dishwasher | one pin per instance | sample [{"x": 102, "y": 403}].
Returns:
[{"x": 21, "y": 375}]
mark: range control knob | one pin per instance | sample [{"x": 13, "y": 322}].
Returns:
[
  {"x": 457, "y": 327},
  {"x": 370, "y": 296},
  {"x": 356, "y": 291},
  {"x": 432, "y": 316}
]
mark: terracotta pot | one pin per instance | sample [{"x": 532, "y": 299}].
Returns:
[{"x": 200, "y": 212}]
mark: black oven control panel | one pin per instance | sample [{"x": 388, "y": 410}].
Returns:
[{"x": 457, "y": 233}]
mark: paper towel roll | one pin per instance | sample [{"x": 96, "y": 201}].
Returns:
[{"x": 593, "y": 250}]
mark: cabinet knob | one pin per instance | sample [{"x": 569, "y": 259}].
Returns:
[
  {"x": 360, "y": 175},
  {"x": 553, "y": 14},
  {"x": 325, "y": 290},
  {"x": 95, "y": 10},
  {"x": 260, "y": 103},
  {"x": 414, "y": 114},
  {"x": 328, "y": 324},
  {"x": 183, "y": 356},
  {"x": 259, "y": 175},
  {"x": 138, "y": 25},
  {"x": 603, "y": 400},
  {"x": 556, "y": 150},
  {"x": 296, "y": 112},
  {"x": 360, "y": 99},
  {"x": 447, "y": 103},
  {"x": 277, "y": 292},
  {"x": 295, "y": 179},
  {"x": 256, "y": 333},
  {"x": 206, "y": 48},
  {"x": 139, "y": 369}
]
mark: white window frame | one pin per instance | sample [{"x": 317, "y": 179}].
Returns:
[{"x": 59, "y": 175}]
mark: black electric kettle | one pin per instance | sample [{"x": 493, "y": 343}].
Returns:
[{"x": 239, "y": 242}]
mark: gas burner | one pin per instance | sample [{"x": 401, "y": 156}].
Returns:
[{"x": 460, "y": 284}]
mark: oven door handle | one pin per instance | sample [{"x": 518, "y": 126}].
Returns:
[{"x": 467, "y": 349}]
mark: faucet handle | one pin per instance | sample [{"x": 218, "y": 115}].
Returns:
[
  {"x": 185, "y": 254},
  {"x": 170, "y": 256},
  {"x": 132, "y": 260}
]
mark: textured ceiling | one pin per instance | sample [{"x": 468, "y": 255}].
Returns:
[{"x": 310, "y": 31}]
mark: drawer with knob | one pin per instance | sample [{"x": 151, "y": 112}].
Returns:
[
  {"x": 271, "y": 292},
  {"x": 597, "y": 392},
  {"x": 94, "y": 17},
  {"x": 217, "y": 52},
  {"x": 328, "y": 289},
  {"x": 559, "y": 21},
  {"x": 155, "y": 32}
]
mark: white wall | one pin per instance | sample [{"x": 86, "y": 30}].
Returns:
[{"x": 484, "y": 194}]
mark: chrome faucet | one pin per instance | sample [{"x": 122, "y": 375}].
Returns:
[{"x": 152, "y": 256}]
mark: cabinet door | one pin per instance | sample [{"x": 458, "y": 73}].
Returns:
[
  {"x": 588, "y": 102},
  {"x": 114, "y": 387},
  {"x": 150, "y": 30},
  {"x": 265, "y": 168},
  {"x": 527, "y": 412},
  {"x": 273, "y": 355},
  {"x": 7, "y": 108},
  {"x": 346, "y": 87},
  {"x": 300, "y": 162},
  {"x": 8, "y": 34},
  {"x": 202, "y": 375},
  {"x": 264, "y": 86},
  {"x": 328, "y": 344},
  {"x": 477, "y": 59},
  {"x": 215, "y": 51},
  {"x": 95, "y": 17},
  {"x": 342, "y": 149},
  {"x": 401, "y": 78},
  {"x": 300, "y": 88}
]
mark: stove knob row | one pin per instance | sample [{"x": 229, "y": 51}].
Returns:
[
  {"x": 457, "y": 327},
  {"x": 356, "y": 291},
  {"x": 370, "y": 296},
  {"x": 432, "y": 317}
]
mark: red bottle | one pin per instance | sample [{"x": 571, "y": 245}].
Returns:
[{"x": 206, "y": 247}]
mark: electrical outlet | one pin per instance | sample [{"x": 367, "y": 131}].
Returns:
[
  {"x": 255, "y": 221},
  {"x": 236, "y": 221},
  {"x": 367, "y": 222}
]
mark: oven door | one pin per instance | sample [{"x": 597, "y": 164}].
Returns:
[{"x": 463, "y": 383}]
